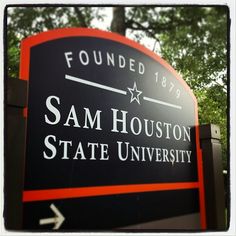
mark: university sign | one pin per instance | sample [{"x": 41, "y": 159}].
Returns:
[{"x": 112, "y": 134}]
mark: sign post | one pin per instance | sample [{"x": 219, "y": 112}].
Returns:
[
  {"x": 213, "y": 177},
  {"x": 112, "y": 134}
]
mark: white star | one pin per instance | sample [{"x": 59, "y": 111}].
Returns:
[{"x": 135, "y": 93}]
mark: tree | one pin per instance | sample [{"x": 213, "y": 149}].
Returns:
[
  {"x": 118, "y": 22},
  {"x": 192, "y": 39}
]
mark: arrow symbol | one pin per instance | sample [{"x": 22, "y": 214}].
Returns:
[{"x": 57, "y": 220}]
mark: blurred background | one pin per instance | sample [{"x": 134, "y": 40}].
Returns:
[{"x": 192, "y": 39}]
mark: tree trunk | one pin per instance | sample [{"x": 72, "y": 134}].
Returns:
[
  {"x": 118, "y": 21},
  {"x": 80, "y": 16}
]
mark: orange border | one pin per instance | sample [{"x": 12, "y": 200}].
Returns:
[
  {"x": 42, "y": 195},
  {"x": 84, "y": 32}
]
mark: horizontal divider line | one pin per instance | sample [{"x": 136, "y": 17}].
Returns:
[
  {"x": 162, "y": 103},
  {"x": 93, "y": 84},
  {"x": 65, "y": 193}
]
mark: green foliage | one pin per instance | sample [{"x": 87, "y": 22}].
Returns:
[
  {"x": 192, "y": 39},
  {"x": 198, "y": 50},
  {"x": 213, "y": 109},
  {"x": 26, "y": 21}
]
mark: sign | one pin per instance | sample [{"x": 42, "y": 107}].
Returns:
[{"x": 112, "y": 134}]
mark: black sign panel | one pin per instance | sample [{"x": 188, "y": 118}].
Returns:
[{"x": 110, "y": 127}]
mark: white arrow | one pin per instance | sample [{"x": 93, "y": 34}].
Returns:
[{"x": 57, "y": 220}]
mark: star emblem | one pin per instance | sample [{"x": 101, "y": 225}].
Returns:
[{"x": 135, "y": 93}]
